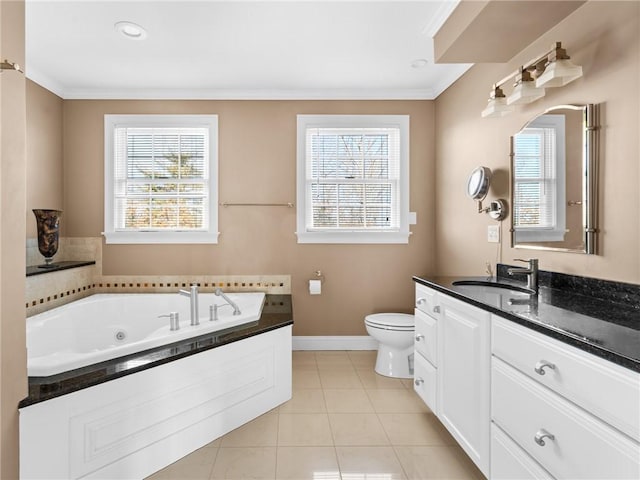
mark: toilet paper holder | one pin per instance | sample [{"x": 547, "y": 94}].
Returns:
[{"x": 317, "y": 275}]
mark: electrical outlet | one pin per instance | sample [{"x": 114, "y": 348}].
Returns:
[{"x": 493, "y": 234}]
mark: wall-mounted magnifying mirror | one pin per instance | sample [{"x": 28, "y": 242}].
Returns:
[
  {"x": 554, "y": 162},
  {"x": 478, "y": 187}
]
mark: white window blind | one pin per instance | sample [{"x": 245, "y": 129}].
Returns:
[
  {"x": 539, "y": 180},
  {"x": 535, "y": 180},
  {"x": 161, "y": 178},
  {"x": 354, "y": 179}
]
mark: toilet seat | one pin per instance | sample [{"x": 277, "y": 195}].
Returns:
[{"x": 391, "y": 321}]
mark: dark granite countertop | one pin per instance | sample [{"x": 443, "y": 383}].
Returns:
[
  {"x": 601, "y": 325},
  {"x": 57, "y": 266},
  {"x": 276, "y": 313}
]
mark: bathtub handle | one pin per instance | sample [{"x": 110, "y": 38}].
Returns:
[
  {"x": 174, "y": 320},
  {"x": 213, "y": 312}
]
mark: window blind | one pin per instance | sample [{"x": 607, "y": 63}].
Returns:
[
  {"x": 535, "y": 179},
  {"x": 161, "y": 179},
  {"x": 352, "y": 179}
]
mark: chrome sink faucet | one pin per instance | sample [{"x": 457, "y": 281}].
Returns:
[
  {"x": 531, "y": 272},
  {"x": 220, "y": 293},
  {"x": 192, "y": 293}
]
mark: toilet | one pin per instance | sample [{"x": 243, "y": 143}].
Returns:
[{"x": 394, "y": 333}]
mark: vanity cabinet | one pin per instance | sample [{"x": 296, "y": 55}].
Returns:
[
  {"x": 463, "y": 386},
  {"x": 560, "y": 410},
  {"x": 522, "y": 404},
  {"x": 452, "y": 355}
]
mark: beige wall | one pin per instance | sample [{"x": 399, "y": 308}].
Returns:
[
  {"x": 13, "y": 364},
  {"x": 44, "y": 153},
  {"x": 603, "y": 37},
  {"x": 257, "y": 163}
]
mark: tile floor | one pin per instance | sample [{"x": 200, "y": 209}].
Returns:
[{"x": 344, "y": 422}]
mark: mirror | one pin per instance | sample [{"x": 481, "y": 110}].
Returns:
[{"x": 554, "y": 162}]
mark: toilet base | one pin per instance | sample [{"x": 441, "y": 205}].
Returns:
[{"x": 394, "y": 363}]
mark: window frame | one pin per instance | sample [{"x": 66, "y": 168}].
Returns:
[
  {"x": 118, "y": 236},
  {"x": 350, "y": 235}
]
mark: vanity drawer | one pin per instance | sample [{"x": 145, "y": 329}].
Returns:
[
  {"x": 509, "y": 461},
  {"x": 426, "y": 336},
  {"x": 426, "y": 300},
  {"x": 583, "y": 446},
  {"x": 424, "y": 381},
  {"x": 607, "y": 390}
]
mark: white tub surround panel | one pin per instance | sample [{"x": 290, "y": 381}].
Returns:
[{"x": 135, "y": 425}]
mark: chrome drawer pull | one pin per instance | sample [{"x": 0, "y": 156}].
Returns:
[
  {"x": 421, "y": 301},
  {"x": 418, "y": 381},
  {"x": 436, "y": 309},
  {"x": 540, "y": 366},
  {"x": 419, "y": 337},
  {"x": 541, "y": 435}
]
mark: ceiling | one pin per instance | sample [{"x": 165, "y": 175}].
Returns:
[{"x": 238, "y": 49}]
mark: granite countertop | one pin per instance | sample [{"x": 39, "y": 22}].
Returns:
[
  {"x": 276, "y": 313},
  {"x": 606, "y": 328}
]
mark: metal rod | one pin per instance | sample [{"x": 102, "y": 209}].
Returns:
[{"x": 226, "y": 204}]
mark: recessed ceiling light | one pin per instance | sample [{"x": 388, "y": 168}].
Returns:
[
  {"x": 131, "y": 30},
  {"x": 419, "y": 63}
]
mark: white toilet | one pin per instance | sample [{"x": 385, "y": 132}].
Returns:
[{"x": 394, "y": 333}]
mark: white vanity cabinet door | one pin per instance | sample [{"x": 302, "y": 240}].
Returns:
[
  {"x": 464, "y": 369},
  {"x": 510, "y": 462}
]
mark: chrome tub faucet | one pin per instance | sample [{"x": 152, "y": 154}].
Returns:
[
  {"x": 192, "y": 293},
  {"x": 236, "y": 309},
  {"x": 531, "y": 272}
]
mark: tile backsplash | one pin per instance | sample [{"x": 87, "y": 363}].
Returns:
[{"x": 47, "y": 291}]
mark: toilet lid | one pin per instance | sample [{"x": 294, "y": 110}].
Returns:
[{"x": 402, "y": 320}]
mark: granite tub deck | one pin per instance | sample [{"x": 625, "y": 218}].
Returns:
[
  {"x": 276, "y": 313},
  {"x": 598, "y": 316}
]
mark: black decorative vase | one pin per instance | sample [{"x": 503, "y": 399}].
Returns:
[{"x": 48, "y": 223}]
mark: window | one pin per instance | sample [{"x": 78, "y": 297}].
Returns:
[
  {"x": 353, "y": 179},
  {"x": 161, "y": 178},
  {"x": 539, "y": 186}
]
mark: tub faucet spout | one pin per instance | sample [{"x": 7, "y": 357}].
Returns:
[
  {"x": 192, "y": 293},
  {"x": 236, "y": 309}
]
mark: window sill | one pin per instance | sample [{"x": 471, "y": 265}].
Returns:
[
  {"x": 354, "y": 237},
  {"x": 161, "y": 237}
]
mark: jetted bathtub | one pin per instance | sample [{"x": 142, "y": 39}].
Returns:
[{"x": 107, "y": 326}]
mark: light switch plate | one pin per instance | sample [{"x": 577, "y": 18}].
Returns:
[{"x": 493, "y": 234}]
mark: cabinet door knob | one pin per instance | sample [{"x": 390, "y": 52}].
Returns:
[
  {"x": 541, "y": 365},
  {"x": 421, "y": 301},
  {"x": 436, "y": 309},
  {"x": 418, "y": 381},
  {"x": 541, "y": 435},
  {"x": 419, "y": 337}
]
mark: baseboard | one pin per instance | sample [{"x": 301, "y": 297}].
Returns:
[{"x": 362, "y": 342}]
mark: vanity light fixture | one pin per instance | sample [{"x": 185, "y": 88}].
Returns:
[
  {"x": 551, "y": 69},
  {"x": 497, "y": 105},
  {"x": 131, "y": 30},
  {"x": 524, "y": 90},
  {"x": 7, "y": 65},
  {"x": 559, "y": 70}
]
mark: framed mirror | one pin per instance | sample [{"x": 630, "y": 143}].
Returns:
[{"x": 554, "y": 180}]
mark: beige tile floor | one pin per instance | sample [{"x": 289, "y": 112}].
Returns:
[{"x": 344, "y": 422}]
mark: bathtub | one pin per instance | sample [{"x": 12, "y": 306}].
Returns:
[{"x": 107, "y": 326}]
